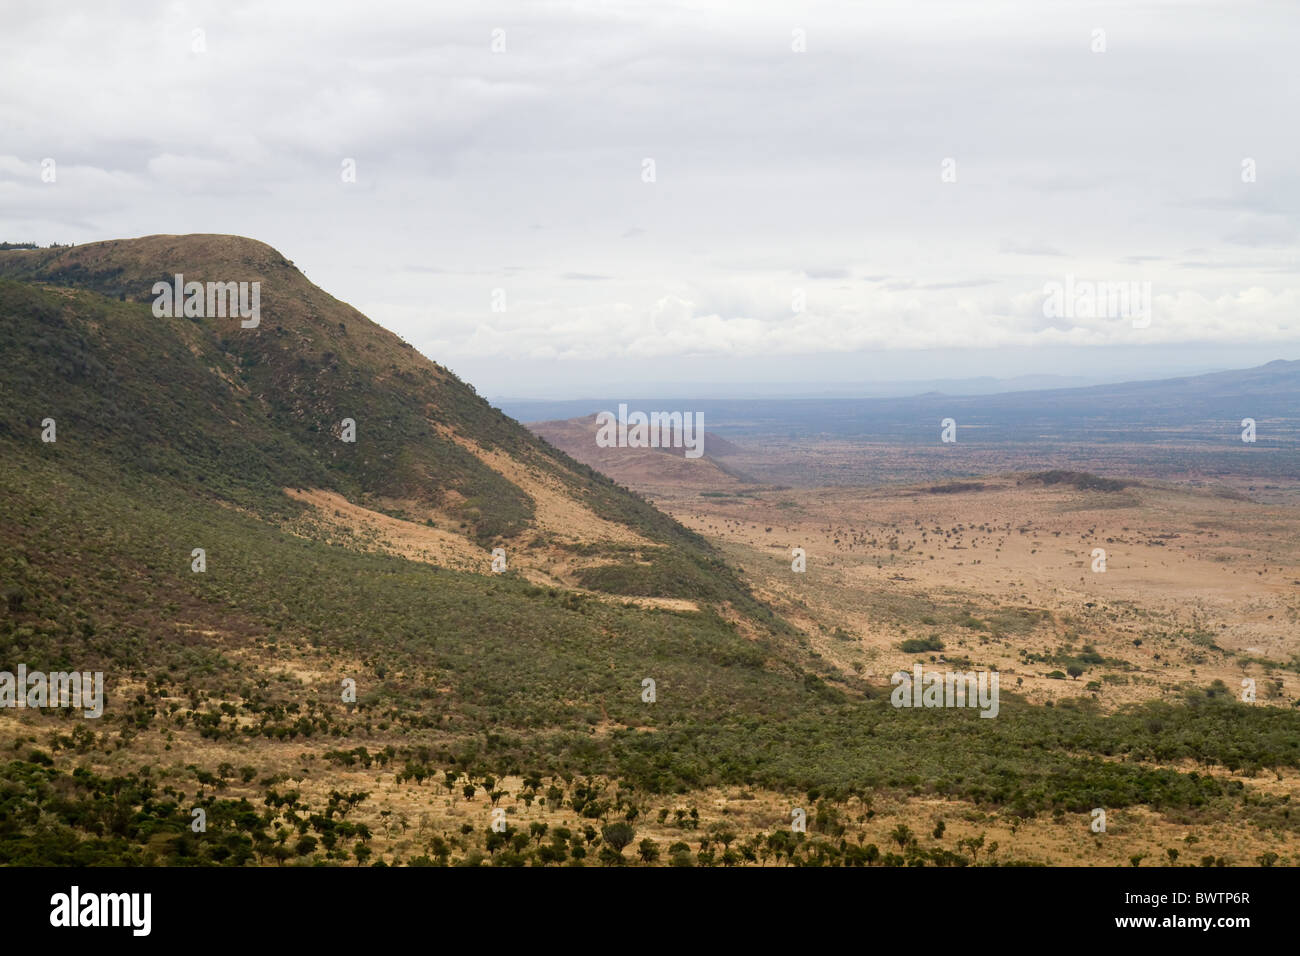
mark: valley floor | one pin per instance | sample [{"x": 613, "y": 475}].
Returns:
[{"x": 1004, "y": 572}]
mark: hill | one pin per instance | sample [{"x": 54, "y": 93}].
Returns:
[
  {"x": 651, "y": 470},
  {"x": 244, "y": 413}
]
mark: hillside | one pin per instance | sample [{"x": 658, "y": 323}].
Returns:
[
  {"x": 176, "y": 434},
  {"x": 345, "y": 678},
  {"x": 246, "y": 412}
]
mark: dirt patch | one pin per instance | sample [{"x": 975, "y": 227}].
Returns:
[
  {"x": 341, "y": 521},
  {"x": 556, "y": 510}
]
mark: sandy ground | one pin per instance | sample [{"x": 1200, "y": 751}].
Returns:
[{"x": 1196, "y": 586}]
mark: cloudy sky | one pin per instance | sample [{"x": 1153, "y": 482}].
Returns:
[{"x": 800, "y": 158}]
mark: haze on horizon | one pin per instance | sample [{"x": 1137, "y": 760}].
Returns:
[{"x": 779, "y": 175}]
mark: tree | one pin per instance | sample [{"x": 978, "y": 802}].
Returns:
[
  {"x": 902, "y": 835},
  {"x": 362, "y": 853},
  {"x": 723, "y": 834},
  {"x": 618, "y": 835},
  {"x": 648, "y": 850},
  {"x": 609, "y": 856},
  {"x": 550, "y": 854},
  {"x": 781, "y": 843},
  {"x": 973, "y": 844},
  {"x": 440, "y": 849},
  {"x": 1075, "y": 671}
]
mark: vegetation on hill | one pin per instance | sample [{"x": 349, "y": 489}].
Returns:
[{"x": 249, "y": 411}]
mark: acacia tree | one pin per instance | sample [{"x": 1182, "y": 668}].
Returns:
[
  {"x": 648, "y": 850},
  {"x": 723, "y": 834},
  {"x": 974, "y": 845},
  {"x": 902, "y": 835},
  {"x": 781, "y": 843},
  {"x": 618, "y": 835}
]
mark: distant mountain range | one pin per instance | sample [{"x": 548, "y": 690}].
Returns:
[
  {"x": 1267, "y": 393},
  {"x": 1165, "y": 428},
  {"x": 528, "y": 407}
]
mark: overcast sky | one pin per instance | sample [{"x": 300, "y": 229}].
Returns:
[{"x": 778, "y": 174}]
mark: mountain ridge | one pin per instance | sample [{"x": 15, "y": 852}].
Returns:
[{"x": 250, "y": 411}]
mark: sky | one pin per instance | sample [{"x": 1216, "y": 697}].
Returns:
[{"x": 563, "y": 199}]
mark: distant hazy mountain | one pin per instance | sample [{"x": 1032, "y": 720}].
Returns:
[
  {"x": 558, "y": 409},
  {"x": 1268, "y": 391},
  {"x": 647, "y": 468},
  {"x": 1169, "y": 427},
  {"x": 538, "y": 409}
]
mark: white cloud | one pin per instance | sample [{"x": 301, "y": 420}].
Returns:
[{"x": 776, "y": 169}]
